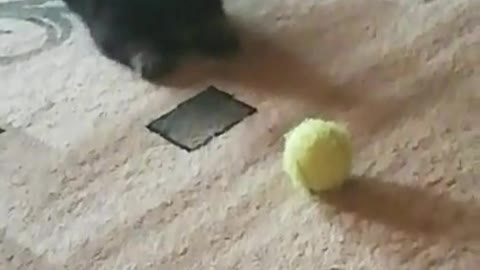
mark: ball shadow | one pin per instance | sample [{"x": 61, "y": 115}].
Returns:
[{"x": 413, "y": 210}]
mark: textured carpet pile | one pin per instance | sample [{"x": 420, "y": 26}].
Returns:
[{"x": 85, "y": 185}]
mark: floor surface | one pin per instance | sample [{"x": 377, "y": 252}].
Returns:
[{"x": 87, "y": 183}]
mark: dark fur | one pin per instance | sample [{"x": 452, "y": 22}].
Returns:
[{"x": 151, "y": 36}]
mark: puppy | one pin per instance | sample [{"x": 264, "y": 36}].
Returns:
[{"x": 152, "y": 36}]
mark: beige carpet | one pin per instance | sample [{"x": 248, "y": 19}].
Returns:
[{"x": 85, "y": 185}]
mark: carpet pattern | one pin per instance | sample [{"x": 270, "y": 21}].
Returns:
[{"x": 86, "y": 183}]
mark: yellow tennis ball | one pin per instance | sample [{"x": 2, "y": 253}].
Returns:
[{"x": 318, "y": 155}]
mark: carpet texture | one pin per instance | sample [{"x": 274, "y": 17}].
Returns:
[{"x": 85, "y": 184}]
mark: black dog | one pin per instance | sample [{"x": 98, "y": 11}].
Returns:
[{"x": 151, "y": 36}]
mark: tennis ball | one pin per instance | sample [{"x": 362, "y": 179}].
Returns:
[{"x": 318, "y": 155}]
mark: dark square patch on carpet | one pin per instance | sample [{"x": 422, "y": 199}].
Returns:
[{"x": 195, "y": 122}]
